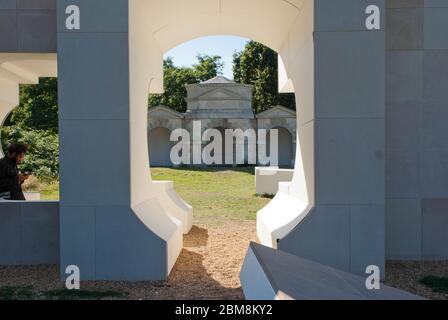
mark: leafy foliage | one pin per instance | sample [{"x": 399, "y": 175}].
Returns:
[
  {"x": 257, "y": 65},
  {"x": 38, "y": 107},
  {"x": 35, "y": 122},
  {"x": 43, "y": 157},
  {"x": 175, "y": 79}
]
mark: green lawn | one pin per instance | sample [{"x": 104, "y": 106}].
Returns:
[
  {"x": 213, "y": 192},
  {"x": 216, "y": 192},
  {"x": 50, "y": 191}
]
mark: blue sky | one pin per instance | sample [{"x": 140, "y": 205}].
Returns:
[{"x": 224, "y": 46}]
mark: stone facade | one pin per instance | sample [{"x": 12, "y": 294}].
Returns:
[
  {"x": 219, "y": 103},
  {"x": 417, "y": 131}
]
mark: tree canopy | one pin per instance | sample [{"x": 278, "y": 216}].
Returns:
[
  {"x": 175, "y": 79},
  {"x": 257, "y": 65},
  {"x": 35, "y": 120},
  {"x": 38, "y": 107}
]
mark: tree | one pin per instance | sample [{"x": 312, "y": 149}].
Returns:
[
  {"x": 208, "y": 67},
  {"x": 38, "y": 107},
  {"x": 257, "y": 65},
  {"x": 175, "y": 79},
  {"x": 43, "y": 156},
  {"x": 35, "y": 122}
]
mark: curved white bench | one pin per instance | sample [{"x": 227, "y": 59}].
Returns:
[
  {"x": 280, "y": 216},
  {"x": 174, "y": 204}
]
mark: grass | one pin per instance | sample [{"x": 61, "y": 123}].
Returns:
[
  {"x": 216, "y": 192},
  {"x": 48, "y": 190},
  {"x": 436, "y": 284},
  {"x": 16, "y": 293},
  {"x": 27, "y": 293},
  {"x": 213, "y": 192}
]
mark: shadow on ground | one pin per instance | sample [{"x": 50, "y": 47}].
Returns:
[
  {"x": 192, "y": 281},
  {"x": 197, "y": 237},
  {"x": 191, "y": 277},
  {"x": 189, "y": 280}
]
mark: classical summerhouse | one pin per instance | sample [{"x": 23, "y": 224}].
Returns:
[{"x": 221, "y": 104}]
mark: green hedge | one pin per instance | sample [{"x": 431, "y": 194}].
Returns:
[{"x": 43, "y": 156}]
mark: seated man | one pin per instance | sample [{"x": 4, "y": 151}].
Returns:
[{"x": 11, "y": 179}]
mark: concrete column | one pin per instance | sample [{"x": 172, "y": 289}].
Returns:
[
  {"x": 417, "y": 153},
  {"x": 346, "y": 227},
  {"x": 111, "y": 228}
]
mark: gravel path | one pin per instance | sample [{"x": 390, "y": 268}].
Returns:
[
  {"x": 208, "y": 268},
  {"x": 406, "y": 275}
]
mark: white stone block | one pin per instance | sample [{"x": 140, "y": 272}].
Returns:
[
  {"x": 32, "y": 196},
  {"x": 174, "y": 204},
  {"x": 267, "y": 179},
  {"x": 279, "y": 218}
]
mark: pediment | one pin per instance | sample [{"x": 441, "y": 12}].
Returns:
[
  {"x": 163, "y": 112},
  {"x": 277, "y": 112},
  {"x": 219, "y": 94}
]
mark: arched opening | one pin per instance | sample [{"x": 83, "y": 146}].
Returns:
[
  {"x": 285, "y": 147},
  {"x": 108, "y": 112},
  {"x": 154, "y": 30},
  {"x": 285, "y": 155},
  {"x": 28, "y": 114},
  {"x": 160, "y": 147},
  {"x": 223, "y": 196}
]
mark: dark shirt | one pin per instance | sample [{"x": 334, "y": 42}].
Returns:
[{"x": 9, "y": 179}]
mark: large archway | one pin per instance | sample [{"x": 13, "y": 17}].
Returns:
[
  {"x": 99, "y": 104},
  {"x": 290, "y": 33}
]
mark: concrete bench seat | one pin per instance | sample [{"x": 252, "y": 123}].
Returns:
[
  {"x": 269, "y": 274},
  {"x": 174, "y": 204},
  {"x": 267, "y": 179},
  {"x": 29, "y": 232}
]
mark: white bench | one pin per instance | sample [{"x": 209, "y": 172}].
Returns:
[{"x": 267, "y": 179}]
